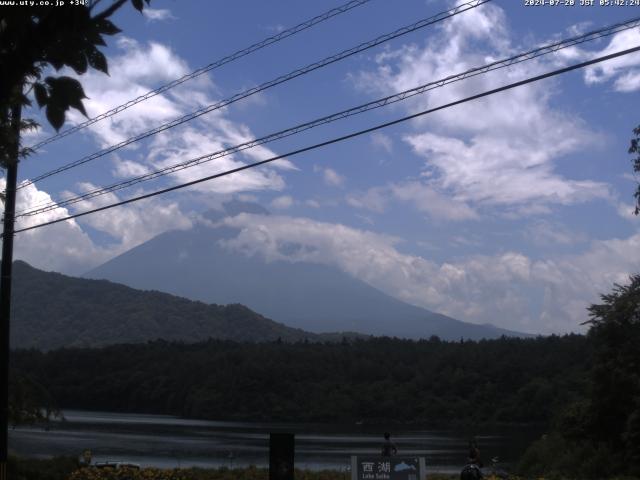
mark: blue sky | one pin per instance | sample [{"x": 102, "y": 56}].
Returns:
[{"x": 514, "y": 210}]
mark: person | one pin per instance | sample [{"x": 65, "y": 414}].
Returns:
[
  {"x": 388, "y": 447},
  {"x": 474, "y": 454},
  {"x": 474, "y": 463}
]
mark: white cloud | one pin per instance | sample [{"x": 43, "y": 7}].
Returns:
[
  {"x": 158, "y": 14},
  {"x": 579, "y": 28},
  {"x": 428, "y": 200},
  {"x": 134, "y": 72},
  {"x": 382, "y": 141},
  {"x": 627, "y": 211},
  {"x": 128, "y": 168},
  {"x": 140, "y": 68},
  {"x": 625, "y": 69},
  {"x": 507, "y": 289},
  {"x": 375, "y": 199},
  {"x": 494, "y": 152},
  {"x": 545, "y": 233},
  {"x": 424, "y": 197},
  {"x": 275, "y": 28},
  {"x": 282, "y": 203},
  {"x": 498, "y": 171},
  {"x": 628, "y": 82},
  {"x": 61, "y": 247},
  {"x": 330, "y": 176},
  {"x": 135, "y": 223},
  {"x": 68, "y": 248}
]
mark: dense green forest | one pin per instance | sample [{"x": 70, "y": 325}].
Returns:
[
  {"x": 507, "y": 380},
  {"x": 80, "y": 312}
]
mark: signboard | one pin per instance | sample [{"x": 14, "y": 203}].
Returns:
[{"x": 387, "y": 468}]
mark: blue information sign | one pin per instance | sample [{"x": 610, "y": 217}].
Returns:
[{"x": 387, "y": 468}]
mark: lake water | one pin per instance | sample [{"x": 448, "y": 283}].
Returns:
[{"x": 165, "y": 441}]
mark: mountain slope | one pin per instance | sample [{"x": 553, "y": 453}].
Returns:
[
  {"x": 51, "y": 310},
  {"x": 309, "y": 296}
]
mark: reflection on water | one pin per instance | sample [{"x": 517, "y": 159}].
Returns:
[{"x": 164, "y": 441}]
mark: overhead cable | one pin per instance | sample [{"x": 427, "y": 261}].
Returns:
[
  {"x": 196, "y": 73},
  {"x": 338, "y": 139},
  {"x": 503, "y": 63},
  {"x": 272, "y": 83}
]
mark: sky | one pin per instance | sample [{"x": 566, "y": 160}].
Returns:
[{"x": 514, "y": 210}]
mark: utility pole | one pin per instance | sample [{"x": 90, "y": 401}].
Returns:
[{"x": 5, "y": 282}]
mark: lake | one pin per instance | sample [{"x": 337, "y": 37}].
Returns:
[{"x": 165, "y": 441}]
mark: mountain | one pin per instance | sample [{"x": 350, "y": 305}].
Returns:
[
  {"x": 50, "y": 310},
  {"x": 309, "y": 296}
]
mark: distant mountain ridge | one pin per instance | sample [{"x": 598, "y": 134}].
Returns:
[
  {"x": 308, "y": 296},
  {"x": 51, "y": 310}
]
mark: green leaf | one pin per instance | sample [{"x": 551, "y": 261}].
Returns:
[
  {"x": 78, "y": 62},
  {"x": 66, "y": 92},
  {"x": 40, "y": 92},
  {"x": 107, "y": 27},
  {"x": 56, "y": 52},
  {"x": 98, "y": 61},
  {"x": 66, "y": 87},
  {"x": 138, "y": 4},
  {"x": 55, "y": 115},
  {"x": 94, "y": 36}
]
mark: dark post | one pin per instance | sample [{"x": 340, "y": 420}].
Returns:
[
  {"x": 281, "y": 456},
  {"x": 5, "y": 286}
]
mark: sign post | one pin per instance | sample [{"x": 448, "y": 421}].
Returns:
[
  {"x": 388, "y": 468},
  {"x": 281, "y": 456}
]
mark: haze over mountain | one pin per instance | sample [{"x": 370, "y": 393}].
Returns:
[
  {"x": 314, "y": 297},
  {"x": 51, "y": 311}
]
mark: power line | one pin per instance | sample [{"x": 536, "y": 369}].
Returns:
[
  {"x": 340, "y": 139},
  {"x": 272, "y": 83},
  {"x": 519, "y": 58},
  {"x": 218, "y": 63}
]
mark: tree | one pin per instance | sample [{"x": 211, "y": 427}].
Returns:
[
  {"x": 33, "y": 40},
  {"x": 635, "y": 148},
  {"x": 598, "y": 435},
  {"x": 614, "y": 403},
  {"x": 29, "y": 401}
]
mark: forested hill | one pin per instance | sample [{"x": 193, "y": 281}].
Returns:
[
  {"x": 51, "y": 310},
  {"x": 507, "y": 380}
]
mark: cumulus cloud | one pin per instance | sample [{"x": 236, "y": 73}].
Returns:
[
  {"x": 497, "y": 171},
  {"x": 283, "y": 202},
  {"x": 424, "y": 198},
  {"x": 139, "y": 68},
  {"x": 508, "y": 289},
  {"x": 330, "y": 176},
  {"x": 382, "y": 141},
  {"x": 132, "y": 224},
  {"x": 68, "y": 247},
  {"x": 429, "y": 200},
  {"x": 158, "y": 14},
  {"x": 133, "y": 72},
  {"x": 498, "y": 151},
  {"x": 63, "y": 247},
  {"x": 546, "y": 233},
  {"x": 625, "y": 70},
  {"x": 374, "y": 199},
  {"x": 135, "y": 69},
  {"x": 627, "y": 211}
]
